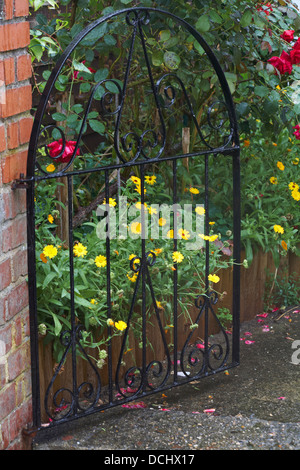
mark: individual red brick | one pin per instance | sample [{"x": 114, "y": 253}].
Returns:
[
  {"x": 9, "y": 70},
  {"x": 21, "y": 8},
  {"x": 18, "y": 100},
  {"x": 12, "y": 135},
  {"x": 13, "y": 165},
  {"x": 25, "y": 129},
  {"x": 17, "y": 300},
  {"x": 14, "y": 203},
  {"x": 19, "y": 264},
  {"x": 2, "y": 139},
  {"x": 24, "y": 67},
  {"x": 9, "y": 9},
  {"x": 7, "y": 400},
  {"x": 5, "y": 274},
  {"x": 16, "y": 363},
  {"x": 14, "y": 36}
]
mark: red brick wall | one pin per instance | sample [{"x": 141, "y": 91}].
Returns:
[{"x": 15, "y": 127}]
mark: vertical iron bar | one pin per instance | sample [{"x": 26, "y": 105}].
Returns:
[
  {"x": 175, "y": 278},
  {"x": 236, "y": 258},
  {"x": 108, "y": 286},
  {"x": 34, "y": 344},
  {"x": 72, "y": 293},
  {"x": 143, "y": 234},
  {"x": 206, "y": 206}
]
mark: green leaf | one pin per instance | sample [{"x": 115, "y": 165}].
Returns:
[
  {"x": 80, "y": 67},
  {"x": 57, "y": 325},
  {"x": 97, "y": 126},
  {"x": 48, "y": 279},
  {"x": 246, "y": 19},
  {"x": 171, "y": 60},
  {"x": 157, "y": 58},
  {"x": 203, "y": 24},
  {"x": 101, "y": 75},
  {"x": 126, "y": 2},
  {"x": 59, "y": 117}
]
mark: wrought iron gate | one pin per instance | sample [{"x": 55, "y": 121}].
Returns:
[{"x": 116, "y": 142}]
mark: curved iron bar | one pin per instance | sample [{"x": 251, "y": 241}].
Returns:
[
  {"x": 67, "y": 338},
  {"x": 189, "y": 104},
  {"x": 130, "y": 377},
  {"x": 203, "y": 303},
  {"x": 135, "y": 21}
]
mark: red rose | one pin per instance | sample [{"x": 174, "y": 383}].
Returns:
[
  {"x": 283, "y": 63},
  {"x": 297, "y": 132},
  {"x": 57, "y": 146},
  {"x": 295, "y": 56},
  {"x": 75, "y": 74},
  {"x": 288, "y": 35}
]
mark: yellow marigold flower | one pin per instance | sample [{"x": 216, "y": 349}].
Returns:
[
  {"x": 246, "y": 143},
  {"x": 162, "y": 221},
  {"x": 150, "y": 179},
  {"x": 170, "y": 234},
  {"x": 184, "y": 234},
  {"x": 194, "y": 190},
  {"x": 296, "y": 161},
  {"x": 284, "y": 245},
  {"x": 140, "y": 206},
  {"x": 152, "y": 210},
  {"x": 273, "y": 143},
  {"x": 278, "y": 229},
  {"x": 111, "y": 202},
  {"x": 136, "y": 227},
  {"x": 177, "y": 257},
  {"x": 293, "y": 186},
  {"x": 79, "y": 250},
  {"x": 200, "y": 210},
  {"x": 50, "y": 168},
  {"x": 100, "y": 261},
  {"x": 159, "y": 305},
  {"x": 158, "y": 251},
  {"x": 94, "y": 302},
  {"x": 50, "y": 218},
  {"x": 138, "y": 189},
  {"x": 213, "y": 278},
  {"x": 211, "y": 223},
  {"x": 296, "y": 195},
  {"x": 50, "y": 251},
  {"x": 280, "y": 165},
  {"x": 135, "y": 179},
  {"x": 273, "y": 180},
  {"x": 121, "y": 325},
  {"x": 210, "y": 238},
  {"x": 132, "y": 277}
]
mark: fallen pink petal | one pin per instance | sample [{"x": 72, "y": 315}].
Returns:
[
  {"x": 249, "y": 342},
  {"x": 281, "y": 398},
  {"x": 264, "y": 315},
  {"x": 209, "y": 410},
  {"x": 140, "y": 404}
]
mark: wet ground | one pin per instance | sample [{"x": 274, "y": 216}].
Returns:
[{"x": 255, "y": 406}]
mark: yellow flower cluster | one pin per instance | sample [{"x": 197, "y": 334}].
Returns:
[
  {"x": 213, "y": 278},
  {"x": 79, "y": 250},
  {"x": 294, "y": 187},
  {"x": 278, "y": 229}
]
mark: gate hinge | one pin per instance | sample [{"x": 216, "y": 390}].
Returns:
[{"x": 20, "y": 183}]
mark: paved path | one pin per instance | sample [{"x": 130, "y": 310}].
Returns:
[{"x": 257, "y": 405}]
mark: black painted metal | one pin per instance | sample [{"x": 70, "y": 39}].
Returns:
[{"x": 168, "y": 377}]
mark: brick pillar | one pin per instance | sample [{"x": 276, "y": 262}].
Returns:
[{"x": 15, "y": 127}]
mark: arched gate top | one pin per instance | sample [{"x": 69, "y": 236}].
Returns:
[{"x": 136, "y": 18}]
